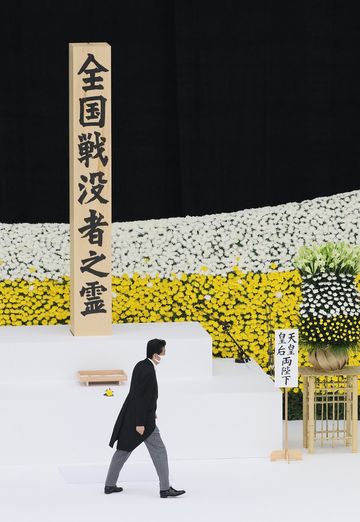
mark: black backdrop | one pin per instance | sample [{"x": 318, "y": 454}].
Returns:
[{"x": 218, "y": 105}]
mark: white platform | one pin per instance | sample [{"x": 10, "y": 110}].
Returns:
[
  {"x": 207, "y": 408},
  {"x": 32, "y": 352},
  {"x": 245, "y": 490}
]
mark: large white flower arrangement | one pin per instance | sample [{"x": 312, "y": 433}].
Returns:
[
  {"x": 214, "y": 244},
  {"x": 329, "y": 295}
]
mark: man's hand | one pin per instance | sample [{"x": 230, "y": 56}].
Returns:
[{"x": 140, "y": 429}]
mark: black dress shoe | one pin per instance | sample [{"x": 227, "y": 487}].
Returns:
[
  {"x": 112, "y": 489},
  {"x": 171, "y": 492}
]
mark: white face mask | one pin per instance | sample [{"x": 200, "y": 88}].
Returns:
[{"x": 157, "y": 357}]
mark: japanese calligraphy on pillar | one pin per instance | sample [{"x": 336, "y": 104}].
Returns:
[
  {"x": 286, "y": 358},
  {"x": 90, "y": 188}
]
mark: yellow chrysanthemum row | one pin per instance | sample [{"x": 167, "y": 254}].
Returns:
[{"x": 254, "y": 303}]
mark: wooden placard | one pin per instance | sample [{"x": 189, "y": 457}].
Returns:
[
  {"x": 90, "y": 188},
  {"x": 286, "y": 376},
  {"x": 286, "y": 358}
]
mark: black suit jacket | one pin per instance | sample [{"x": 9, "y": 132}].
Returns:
[{"x": 138, "y": 409}]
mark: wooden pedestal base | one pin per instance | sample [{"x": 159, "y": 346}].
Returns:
[{"x": 286, "y": 455}]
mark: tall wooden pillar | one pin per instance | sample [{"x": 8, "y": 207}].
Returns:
[{"x": 90, "y": 188}]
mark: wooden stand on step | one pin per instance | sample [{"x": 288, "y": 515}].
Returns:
[{"x": 102, "y": 376}]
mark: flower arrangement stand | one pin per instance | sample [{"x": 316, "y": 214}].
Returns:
[
  {"x": 101, "y": 376},
  {"x": 330, "y": 406}
]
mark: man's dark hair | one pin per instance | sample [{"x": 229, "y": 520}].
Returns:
[{"x": 154, "y": 346}]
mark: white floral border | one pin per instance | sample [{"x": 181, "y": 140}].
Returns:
[{"x": 213, "y": 244}]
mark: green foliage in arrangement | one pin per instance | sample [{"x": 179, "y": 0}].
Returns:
[{"x": 336, "y": 258}]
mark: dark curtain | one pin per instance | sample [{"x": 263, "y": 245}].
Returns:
[{"x": 218, "y": 105}]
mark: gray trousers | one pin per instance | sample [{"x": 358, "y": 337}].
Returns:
[{"x": 158, "y": 455}]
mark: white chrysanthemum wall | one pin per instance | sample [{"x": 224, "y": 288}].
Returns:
[{"x": 248, "y": 239}]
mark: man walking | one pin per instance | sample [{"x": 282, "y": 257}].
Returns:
[{"x": 136, "y": 423}]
